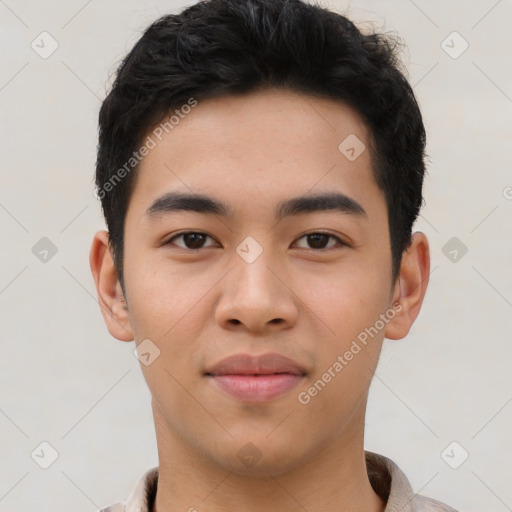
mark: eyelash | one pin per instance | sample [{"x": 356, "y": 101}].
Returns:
[{"x": 339, "y": 245}]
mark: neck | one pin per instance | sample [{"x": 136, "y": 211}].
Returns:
[{"x": 334, "y": 479}]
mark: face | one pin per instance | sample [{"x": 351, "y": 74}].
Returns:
[{"x": 270, "y": 272}]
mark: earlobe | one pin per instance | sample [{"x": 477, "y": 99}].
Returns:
[
  {"x": 110, "y": 295},
  {"x": 410, "y": 287}
]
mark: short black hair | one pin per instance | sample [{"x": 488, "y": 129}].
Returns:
[{"x": 227, "y": 47}]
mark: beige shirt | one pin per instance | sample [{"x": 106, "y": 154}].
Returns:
[{"x": 387, "y": 479}]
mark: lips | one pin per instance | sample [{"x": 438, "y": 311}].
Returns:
[
  {"x": 256, "y": 378},
  {"x": 265, "y": 364}
]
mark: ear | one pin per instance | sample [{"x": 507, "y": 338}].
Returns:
[
  {"x": 108, "y": 288},
  {"x": 410, "y": 287}
]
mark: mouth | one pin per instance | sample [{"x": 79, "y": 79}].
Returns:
[{"x": 256, "y": 378}]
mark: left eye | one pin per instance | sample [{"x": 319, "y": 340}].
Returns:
[
  {"x": 194, "y": 240},
  {"x": 318, "y": 240}
]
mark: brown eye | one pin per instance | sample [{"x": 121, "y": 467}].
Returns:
[
  {"x": 318, "y": 241},
  {"x": 191, "y": 240}
]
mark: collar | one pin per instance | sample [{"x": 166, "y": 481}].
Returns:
[{"x": 387, "y": 479}]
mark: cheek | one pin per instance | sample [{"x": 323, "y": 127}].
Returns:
[
  {"x": 171, "y": 308},
  {"x": 160, "y": 298},
  {"x": 346, "y": 301},
  {"x": 348, "y": 306},
  {"x": 166, "y": 308},
  {"x": 348, "y": 346}
]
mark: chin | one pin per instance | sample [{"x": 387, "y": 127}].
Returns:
[{"x": 258, "y": 457}]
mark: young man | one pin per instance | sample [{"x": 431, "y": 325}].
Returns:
[{"x": 260, "y": 167}]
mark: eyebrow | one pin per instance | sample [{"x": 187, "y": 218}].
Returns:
[{"x": 330, "y": 201}]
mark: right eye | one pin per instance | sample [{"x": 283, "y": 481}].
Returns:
[{"x": 192, "y": 240}]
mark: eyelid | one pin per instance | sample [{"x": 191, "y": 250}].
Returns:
[
  {"x": 340, "y": 243},
  {"x": 168, "y": 241}
]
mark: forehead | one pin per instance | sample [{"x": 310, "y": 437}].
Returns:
[{"x": 259, "y": 148}]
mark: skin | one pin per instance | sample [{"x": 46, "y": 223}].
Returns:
[{"x": 307, "y": 302}]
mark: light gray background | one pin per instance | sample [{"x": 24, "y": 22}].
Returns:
[{"x": 66, "y": 381}]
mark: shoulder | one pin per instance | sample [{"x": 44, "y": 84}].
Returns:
[
  {"x": 141, "y": 497},
  {"x": 424, "y": 504},
  {"x": 116, "y": 507},
  {"x": 390, "y": 482}
]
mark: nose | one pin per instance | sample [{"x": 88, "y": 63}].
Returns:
[{"x": 257, "y": 296}]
